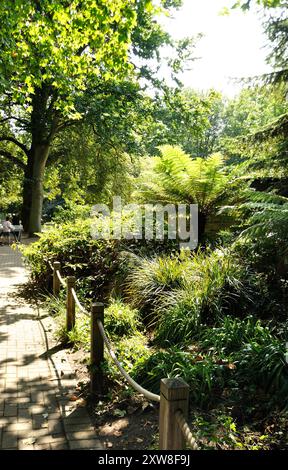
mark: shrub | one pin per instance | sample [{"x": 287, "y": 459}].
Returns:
[
  {"x": 129, "y": 350},
  {"x": 121, "y": 323},
  {"x": 253, "y": 368},
  {"x": 93, "y": 262},
  {"x": 179, "y": 318},
  {"x": 178, "y": 294},
  {"x": 205, "y": 378},
  {"x": 233, "y": 334},
  {"x": 266, "y": 366},
  {"x": 152, "y": 278},
  {"x": 121, "y": 319}
]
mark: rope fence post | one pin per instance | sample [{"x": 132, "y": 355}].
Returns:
[
  {"x": 70, "y": 303},
  {"x": 56, "y": 282},
  {"x": 174, "y": 396},
  {"x": 97, "y": 349}
]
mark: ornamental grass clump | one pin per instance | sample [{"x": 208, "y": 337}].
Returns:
[{"x": 176, "y": 295}]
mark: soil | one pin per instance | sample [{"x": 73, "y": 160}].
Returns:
[{"x": 124, "y": 423}]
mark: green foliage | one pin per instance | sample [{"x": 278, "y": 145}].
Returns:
[
  {"x": 70, "y": 212},
  {"x": 218, "y": 285},
  {"x": 204, "y": 377},
  {"x": 152, "y": 278},
  {"x": 266, "y": 366},
  {"x": 269, "y": 216},
  {"x": 236, "y": 356},
  {"x": 178, "y": 178},
  {"x": 129, "y": 350},
  {"x": 178, "y": 294},
  {"x": 232, "y": 334},
  {"x": 253, "y": 109},
  {"x": 10, "y": 187},
  {"x": 184, "y": 117},
  {"x": 121, "y": 324},
  {"x": 94, "y": 165},
  {"x": 245, "y": 4},
  {"x": 121, "y": 320},
  {"x": 263, "y": 242},
  {"x": 54, "y": 57},
  {"x": 175, "y": 177},
  {"x": 47, "y": 43},
  {"x": 218, "y": 430},
  {"x": 93, "y": 262}
]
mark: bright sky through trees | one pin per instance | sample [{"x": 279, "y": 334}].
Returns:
[{"x": 232, "y": 46}]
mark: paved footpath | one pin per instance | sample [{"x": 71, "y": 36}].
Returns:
[{"x": 35, "y": 382}]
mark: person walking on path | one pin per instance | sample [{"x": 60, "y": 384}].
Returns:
[{"x": 8, "y": 228}]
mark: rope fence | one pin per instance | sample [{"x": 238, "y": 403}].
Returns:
[
  {"x": 135, "y": 385},
  {"x": 174, "y": 431},
  {"x": 79, "y": 305},
  {"x": 61, "y": 278},
  {"x": 183, "y": 425}
]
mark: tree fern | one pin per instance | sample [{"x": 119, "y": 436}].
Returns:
[{"x": 175, "y": 177}]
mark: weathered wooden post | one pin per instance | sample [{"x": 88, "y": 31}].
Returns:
[
  {"x": 174, "y": 396},
  {"x": 56, "y": 282},
  {"x": 70, "y": 304},
  {"x": 97, "y": 349}
]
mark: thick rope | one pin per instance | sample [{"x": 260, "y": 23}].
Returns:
[
  {"x": 61, "y": 278},
  {"x": 78, "y": 302},
  {"x": 137, "y": 387},
  {"x": 182, "y": 423}
]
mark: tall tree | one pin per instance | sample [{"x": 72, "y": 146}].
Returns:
[
  {"x": 51, "y": 52},
  {"x": 185, "y": 117}
]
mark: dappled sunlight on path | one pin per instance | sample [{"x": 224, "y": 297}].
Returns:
[{"x": 35, "y": 381}]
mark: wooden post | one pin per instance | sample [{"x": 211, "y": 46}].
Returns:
[
  {"x": 56, "y": 282},
  {"x": 174, "y": 396},
  {"x": 70, "y": 304},
  {"x": 97, "y": 349}
]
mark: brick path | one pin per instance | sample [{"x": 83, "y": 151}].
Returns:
[{"x": 35, "y": 382}]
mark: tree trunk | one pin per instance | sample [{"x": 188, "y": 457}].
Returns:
[
  {"x": 27, "y": 194},
  {"x": 44, "y": 121},
  {"x": 39, "y": 156},
  {"x": 202, "y": 221}
]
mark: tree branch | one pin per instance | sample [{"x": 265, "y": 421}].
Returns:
[
  {"x": 16, "y": 142},
  {"x": 23, "y": 121},
  {"x": 68, "y": 123},
  {"x": 12, "y": 159}
]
